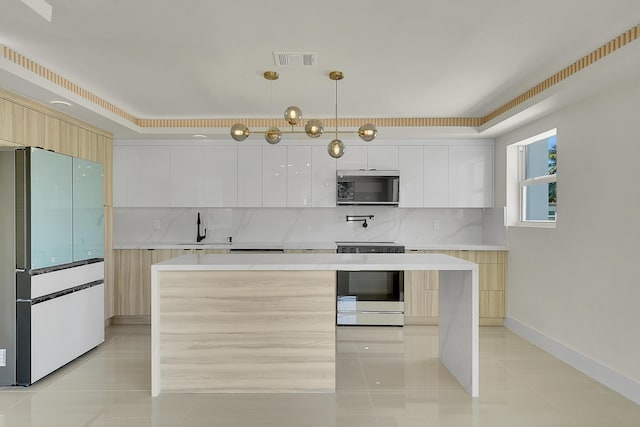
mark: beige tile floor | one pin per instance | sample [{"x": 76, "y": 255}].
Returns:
[{"x": 386, "y": 377}]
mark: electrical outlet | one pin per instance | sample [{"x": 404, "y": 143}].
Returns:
[
  {"x": 156, "y": 224},
  {"x": 436, "y": 224}
]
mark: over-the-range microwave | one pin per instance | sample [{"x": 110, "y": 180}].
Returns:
[{"x": 368, "y": 187}]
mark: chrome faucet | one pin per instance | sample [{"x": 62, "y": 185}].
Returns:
[{"x": 200, "y": 238}]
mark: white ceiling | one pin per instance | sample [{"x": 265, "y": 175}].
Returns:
[{"x": 205, "y": 59}]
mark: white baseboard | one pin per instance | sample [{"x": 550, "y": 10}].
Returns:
[{"x": 588, "y": 366}]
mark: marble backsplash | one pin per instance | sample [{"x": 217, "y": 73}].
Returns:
[{"x": 299, "y": 225}]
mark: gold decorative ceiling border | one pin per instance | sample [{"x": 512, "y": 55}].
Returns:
[
  {"x": 606, "y": 49},
  {"x": 57, "y": 79},
  {"x": 328, "y": 122}
]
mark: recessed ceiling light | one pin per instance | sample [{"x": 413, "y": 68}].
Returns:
[
  {"x": 65, "y": 103},
  {"x": 199, "y": 136}
]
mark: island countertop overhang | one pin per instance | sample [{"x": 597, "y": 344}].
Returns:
[{"x": 312, "y": 262}]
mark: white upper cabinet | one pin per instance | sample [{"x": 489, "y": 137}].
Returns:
[
  {"x": 471, "y": 176},
  {"x": 436, "y": 177},
  {"x": 354, "y": 158},
  {"x": 441, "y": 176},
  {"x": 456, "y": 174},
  {"x": 299, "y": 176},
  {"x": 203, "y": 176},
  {"x": 141, "y": 176},
  {"x": 120, "y": 176},
  {"x": 185, "y": 172},
  {"x": 379, "y": 157},
  {"x": 219, "y": 166},
  {"x": 382, "y": 158},
  {"x": 274, "y": 177},
  {"x": 250, "y": 177},
  {"x": 323, "y": 178},
  {"x": 411, "y": 176}
]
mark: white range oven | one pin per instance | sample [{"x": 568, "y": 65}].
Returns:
[{"x": 370, "y": 297}]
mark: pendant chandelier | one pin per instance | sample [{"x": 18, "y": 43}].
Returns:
[{"x": 313, "y": 128}]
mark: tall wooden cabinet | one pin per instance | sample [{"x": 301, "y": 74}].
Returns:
[
  {"x": 24, "y": 122},
  {"x": 421, "y": 288}
]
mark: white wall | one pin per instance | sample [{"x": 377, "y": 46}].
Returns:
[
  {"x": 413, "y": 227},
  {"x": 576, "y": 288}
]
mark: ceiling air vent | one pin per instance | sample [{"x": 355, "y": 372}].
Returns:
[{"x": 295, "y": 59}]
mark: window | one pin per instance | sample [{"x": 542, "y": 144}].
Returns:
[
  {"x": 538, "y": 166},
  {"x": 533, "y": 165}
]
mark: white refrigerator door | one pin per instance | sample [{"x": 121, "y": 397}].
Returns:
[{"x": 64, "y": 328}]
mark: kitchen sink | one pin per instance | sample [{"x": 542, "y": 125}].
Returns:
[{"x": 204, "y": 244}]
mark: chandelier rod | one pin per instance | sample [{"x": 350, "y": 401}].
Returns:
[{"x": 336, "y": 108}]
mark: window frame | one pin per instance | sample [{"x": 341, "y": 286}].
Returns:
[{"x": 521, "y": 183}]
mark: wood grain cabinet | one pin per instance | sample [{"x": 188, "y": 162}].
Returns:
[
  {"x": 24, "y": 122},
  {"x": 421, "y": 288},
  {"x": 133, "y": 280}
]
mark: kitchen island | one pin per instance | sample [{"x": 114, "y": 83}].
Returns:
[{"x": 240, "y": 323}]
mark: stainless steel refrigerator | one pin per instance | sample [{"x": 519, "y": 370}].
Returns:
[{"x": 51, "y": 262}]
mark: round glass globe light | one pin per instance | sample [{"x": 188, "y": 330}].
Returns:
[
  {"x": 336, "y": 148},
  {"x": 292, "y": 115},
  {"x": 314, "y": 128},
  {"x": 273, "y": 135},
  {"x": 367, "y": 132},
  {"x": 239, "y": 132}
]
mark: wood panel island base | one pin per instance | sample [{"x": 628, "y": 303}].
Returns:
[{"x": 265, "y": 323}]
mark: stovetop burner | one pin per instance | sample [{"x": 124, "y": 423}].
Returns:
[{"x": 368, "y": 247}]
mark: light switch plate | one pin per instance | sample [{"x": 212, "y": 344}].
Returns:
[{"x": 3, "y": 357}]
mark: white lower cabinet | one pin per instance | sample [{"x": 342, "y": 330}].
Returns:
[{"x": 249, "y": 177}]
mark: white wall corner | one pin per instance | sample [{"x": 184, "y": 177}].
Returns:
[{"x": 616, "y": 381}]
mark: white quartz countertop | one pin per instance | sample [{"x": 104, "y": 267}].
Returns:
[
  {"x": 348, "y": 262},
  {"x": 299, "y": 246}
]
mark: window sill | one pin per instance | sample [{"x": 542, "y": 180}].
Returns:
[{"x": 535, "y": 224}]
